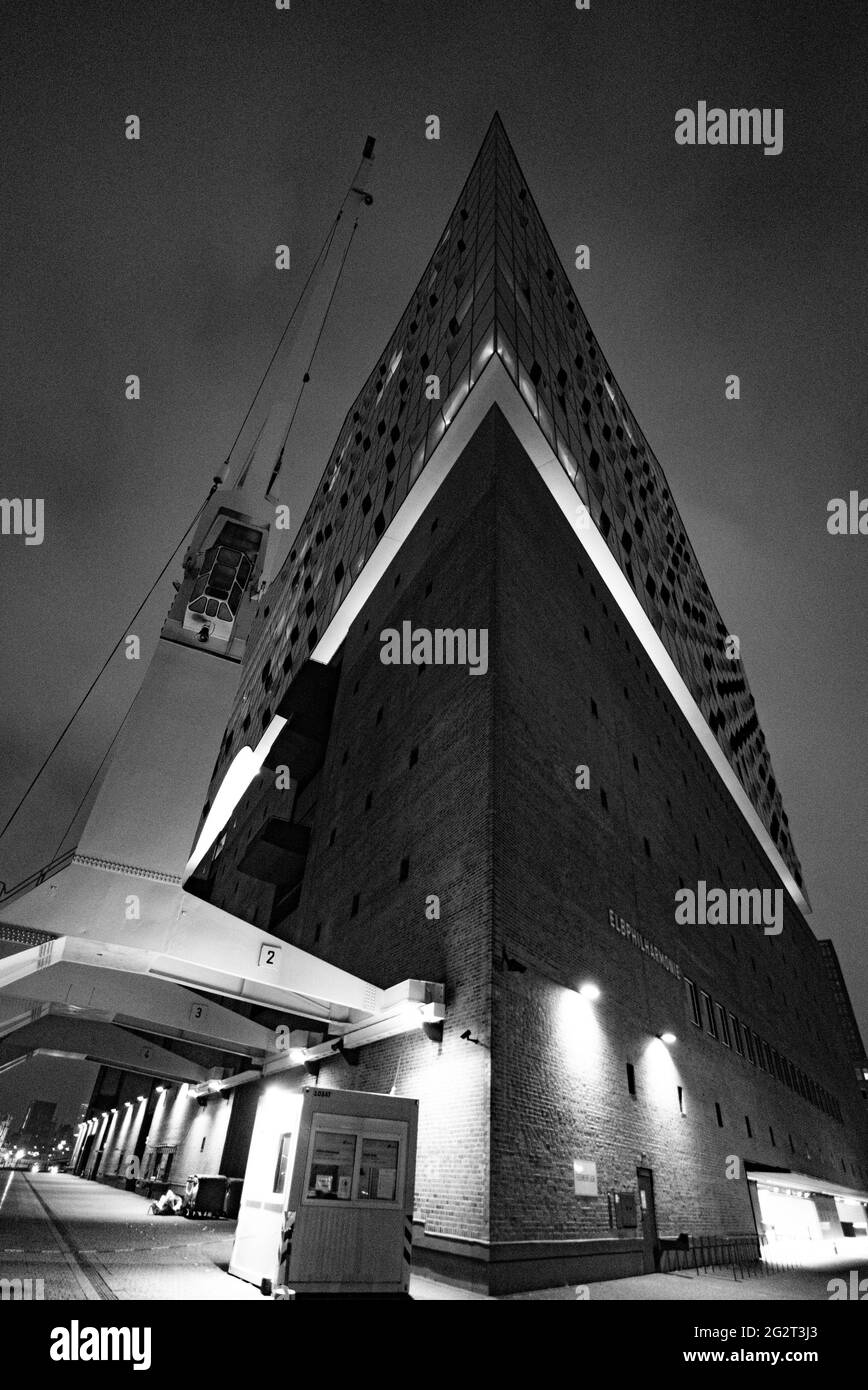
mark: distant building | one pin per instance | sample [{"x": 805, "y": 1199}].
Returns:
[{"x": 39, "y": 1121}]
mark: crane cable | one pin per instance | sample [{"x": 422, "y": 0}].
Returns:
[
  {"x": 307, "y": 373},
  {"x": 79, "y": 706}
]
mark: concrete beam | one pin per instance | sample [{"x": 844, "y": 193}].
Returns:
[
  {"x": 92, "y": 1041},
  {"x": 73, "y": 977},
  {"x": 147, "y": 924}
]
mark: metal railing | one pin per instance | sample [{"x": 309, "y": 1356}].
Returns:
[{"x": 739, "y": 1254}]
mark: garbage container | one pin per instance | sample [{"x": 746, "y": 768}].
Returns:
[
  {"x": 205, "y": 1195},
  {"x": 233, "y": 1197}
]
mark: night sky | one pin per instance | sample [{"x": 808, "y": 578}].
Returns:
[{"x": 157, "y": 257}]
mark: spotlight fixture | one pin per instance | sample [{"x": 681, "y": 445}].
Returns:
[
  {"x": 589, "y": 991},
  {"x": 668, "y": 1038},
  {"x": 434, "y": 1030}
]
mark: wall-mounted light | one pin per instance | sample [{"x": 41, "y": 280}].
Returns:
[
  {"x": 510, "y": 963},
  {"x": 667, "y": 1038},
  {"x": 160, "y": 1090},
  {"x": 589, "y": 991}
]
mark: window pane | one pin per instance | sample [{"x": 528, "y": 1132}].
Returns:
[
  {"x": 331, "y": 1168},
  {"x": 378, "y": 1172},
  {"x": 282, "y": 1161}
]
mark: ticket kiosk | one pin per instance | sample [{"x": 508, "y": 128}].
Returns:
[
  {"x": 352, "y": 1193},
  {"x": 342, "y": 1223}
]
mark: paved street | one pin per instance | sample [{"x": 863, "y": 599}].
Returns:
[{"x": 89, "y": 1241}]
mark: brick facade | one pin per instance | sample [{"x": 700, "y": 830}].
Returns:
[{"x": 527, "y": 868}]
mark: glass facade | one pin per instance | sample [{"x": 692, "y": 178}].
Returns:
[{"x": 495, "y": 284}]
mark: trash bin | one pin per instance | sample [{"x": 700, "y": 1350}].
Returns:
[
  {"x": 205, "y": 1195},
  {"x": 233, "y": 1197}
]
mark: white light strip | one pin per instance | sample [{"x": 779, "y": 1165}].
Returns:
[
  {"x": 245, "y": 766},
  {"x": 581, "y": 522},
  {"x": 495, "y": 385}
]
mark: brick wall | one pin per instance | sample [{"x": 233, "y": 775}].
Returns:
[
  {"x": 562, "y": 860},
  {"x": 527, "y": 868}
]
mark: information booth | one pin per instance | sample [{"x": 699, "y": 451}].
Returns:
[{"x": 343, "y": 1221}]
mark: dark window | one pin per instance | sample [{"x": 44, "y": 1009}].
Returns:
[
  {"x": 604, "y": 800},
  {"x": 355, "y": 905},
  {"x": 718, "y": 1114},
  {"x": 710, "y": 1020},
  {"x": 594, "y": 709},
  {"x": 404, "y": 870},
  {"x": 693, "y": 996},
  {"x": 747, "y": 1127},
  {"x": 631, "y": 1079},
  {"x": 414, "y": 756},
  {"x": 681, "y": 1100},
  {"x": 282, "y": 1163},
  {"x": 368, "y": 799}
]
